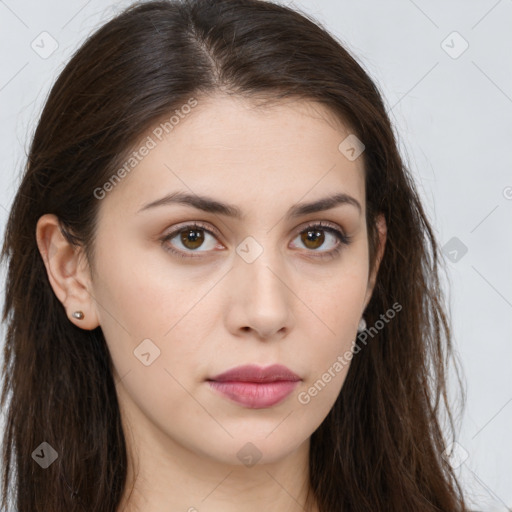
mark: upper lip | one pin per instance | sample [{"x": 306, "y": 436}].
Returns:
[{"x": 253, "y": 373}]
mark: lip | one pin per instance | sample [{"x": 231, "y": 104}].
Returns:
[
  {"x": 256, "y": 387},
  {"x": 254, "y": 373}
]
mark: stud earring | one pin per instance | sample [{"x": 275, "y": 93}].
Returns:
[
  {"x": 78, "y": 315},
  {"x": 362, "y": 325}
]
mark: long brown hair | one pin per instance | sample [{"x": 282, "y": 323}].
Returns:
[{"x": 381, "y": 446}]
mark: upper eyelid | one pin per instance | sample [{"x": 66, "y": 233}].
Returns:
[{"x": 199, "y": 224}]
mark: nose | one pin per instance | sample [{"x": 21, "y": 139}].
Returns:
[{"x": 261, "y": 300}]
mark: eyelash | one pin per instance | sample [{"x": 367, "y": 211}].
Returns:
[{"x": 343, "y": 239}]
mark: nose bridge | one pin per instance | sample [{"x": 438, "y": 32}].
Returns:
[
  {"x": 261, "y": 264},
  {"x": 259, "y": 287}
]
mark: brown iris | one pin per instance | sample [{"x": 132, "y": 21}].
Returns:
[
  {"x": 195, "y": 237},
  {"x": 314, "y": 236}
]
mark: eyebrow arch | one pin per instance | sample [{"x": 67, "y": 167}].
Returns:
[{"x": 210, "y": 205}]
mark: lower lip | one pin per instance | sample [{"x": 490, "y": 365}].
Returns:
[{"x": 255, "y": 395}]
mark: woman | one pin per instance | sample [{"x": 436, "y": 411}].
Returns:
[{"x": 222, "y": 288}]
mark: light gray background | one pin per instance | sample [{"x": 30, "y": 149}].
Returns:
[{"x": 453, "y": 112}]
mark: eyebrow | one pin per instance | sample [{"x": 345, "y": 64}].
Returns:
[{"x": 210, "y": 205}]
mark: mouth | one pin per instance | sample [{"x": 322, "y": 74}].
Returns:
[{"x": 255, "y": 387}]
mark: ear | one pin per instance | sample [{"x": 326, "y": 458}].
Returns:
[
  {"x": 382, "y": 230},
  {"x": 68, "y": 272}
]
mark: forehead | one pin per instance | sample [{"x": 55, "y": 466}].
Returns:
[{"x": 232, "y": 147}]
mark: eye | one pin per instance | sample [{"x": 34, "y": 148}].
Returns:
[
  {"x": 190, "y": 237},
  {"x": 314, "y": 236}
]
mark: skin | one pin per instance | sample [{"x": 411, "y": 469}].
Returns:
[{"x": 216, "y": 311}]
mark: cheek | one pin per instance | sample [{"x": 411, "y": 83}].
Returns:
[
  {"x": 138, "y": 293},
  {"x": 146, "y": 332},
  {"x": 329, "y": 360},
  {"x": 137, "y": 301},
  {"x": 336, "y": 301},
  {"x": 331, "y": 326}
]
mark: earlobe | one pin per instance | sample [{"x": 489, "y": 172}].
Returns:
[{"x": 67, "y": 276}]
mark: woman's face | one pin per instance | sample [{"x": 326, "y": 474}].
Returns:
[{"x": 263, "y": 287}]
